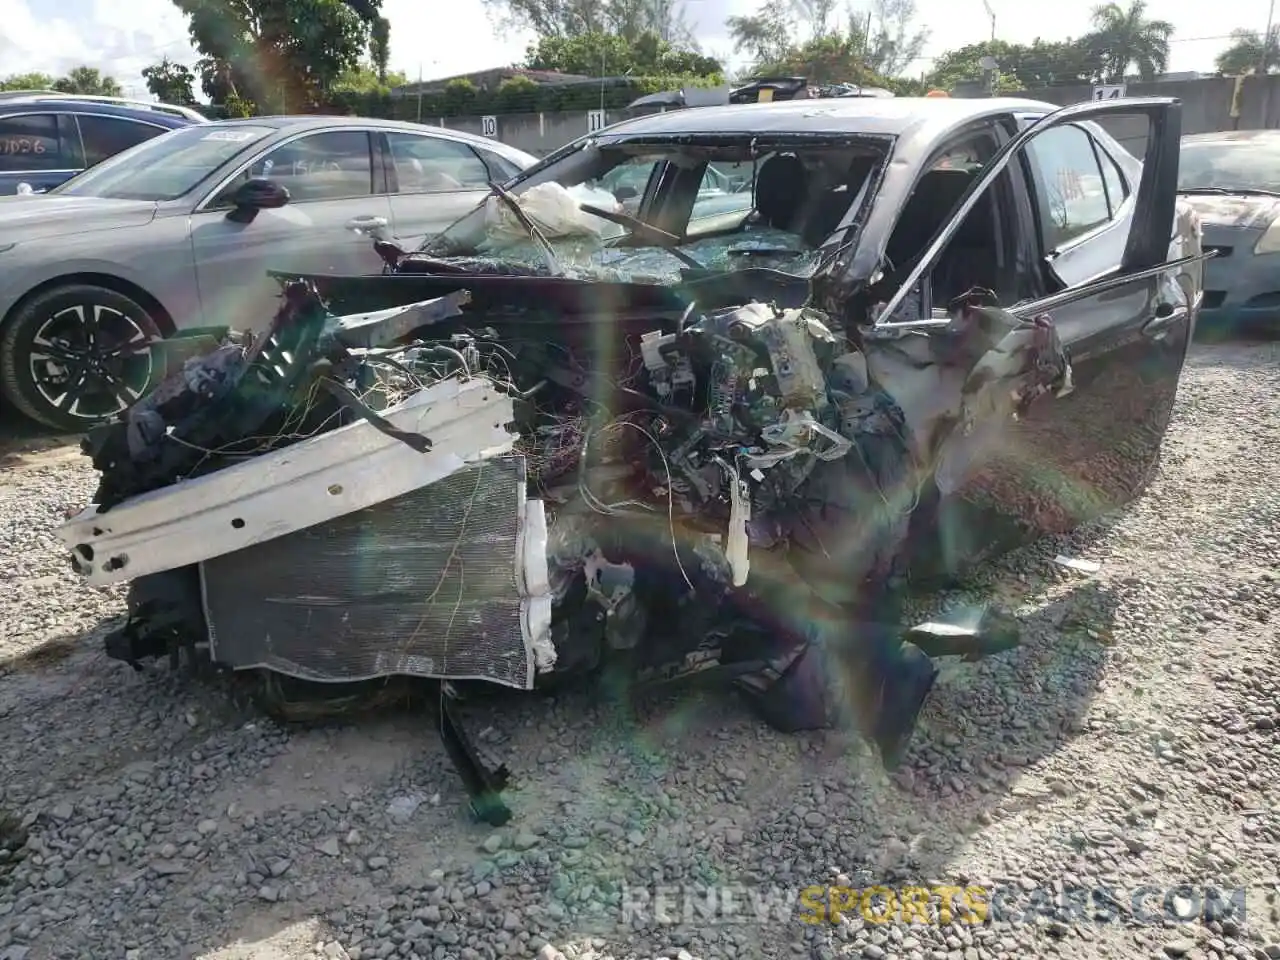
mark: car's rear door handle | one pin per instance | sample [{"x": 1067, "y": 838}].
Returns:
[
  {"x": 1167, "y": 315},
  {"x": 366, "y": 223}
]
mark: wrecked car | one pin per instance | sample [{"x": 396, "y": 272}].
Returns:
[{"x": 562, "y": 438}]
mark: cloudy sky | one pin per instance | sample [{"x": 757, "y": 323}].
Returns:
[{"x": 122, "y": 38}]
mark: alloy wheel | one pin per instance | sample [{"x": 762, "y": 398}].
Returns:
[{"x": 91, "y": 361}]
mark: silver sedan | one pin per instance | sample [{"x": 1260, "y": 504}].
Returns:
[
  {"x": 1232, "y": 180},
  {"x": 179, "y": 232}
]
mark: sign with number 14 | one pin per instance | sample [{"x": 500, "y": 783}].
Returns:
[{"x": 1108, "y": 91}]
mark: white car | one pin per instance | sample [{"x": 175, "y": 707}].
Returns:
[{"x": 180, "y": 231}]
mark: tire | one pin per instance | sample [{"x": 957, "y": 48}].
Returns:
[{"x": 71, "y": 356}]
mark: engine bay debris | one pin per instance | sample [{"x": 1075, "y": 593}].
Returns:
[{"x": 486, "y": 499}]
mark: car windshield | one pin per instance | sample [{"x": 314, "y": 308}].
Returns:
[
  {"x": 1244, "y": 165},
  {"x": 165, "y": 167},
  {"x": 621, "y": 209}
]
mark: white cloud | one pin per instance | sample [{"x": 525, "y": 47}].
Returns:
[
  {"x": 441, "y": 43},
  {"x": 122, "y": 38}
]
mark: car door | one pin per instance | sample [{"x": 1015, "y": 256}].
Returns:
[
  {"x": 334, "y": 186},
  {"x": 434, "y": 181},
  {"x": 38, "y": 149},
  {"x": 1103, "y": 271}
]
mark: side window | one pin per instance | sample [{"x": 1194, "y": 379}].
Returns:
[
  {"x": 627, "y": 181},
  {"x": 336, "y": 165},
  {"x": 969, "y": 156},
  {"x": 30, "y": 142},
  {"x": 500, "y": 167},
  {"x": 1072, "y": 195},
  {"x": 725, "y": 188},
  {"x": 106, "y": 136},
  {"x": 435, "y": 165}
]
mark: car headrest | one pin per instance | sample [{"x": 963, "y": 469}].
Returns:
[{"x": 781, "y": 186}]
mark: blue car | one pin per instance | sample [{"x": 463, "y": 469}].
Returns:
[
  {"x": 46, "y": 138},
  {"x": 1232, "y": 180}
]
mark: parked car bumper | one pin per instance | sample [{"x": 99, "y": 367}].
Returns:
[{"x": 1241, "y": 292}]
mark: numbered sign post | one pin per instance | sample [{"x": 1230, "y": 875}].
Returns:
[
  {"x": 489, "y": 126},
  {"x": 595, "y": 120},
  {"x": 1108, "y": 91}
]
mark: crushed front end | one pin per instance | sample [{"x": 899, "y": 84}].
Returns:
[{"x": 520, "y": 497}]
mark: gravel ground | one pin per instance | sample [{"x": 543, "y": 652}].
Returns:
[{"x": 1131, "y": 742}]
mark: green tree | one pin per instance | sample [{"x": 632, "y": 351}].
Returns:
[
  {"x": 629, "y": 19},
  {"x": 238, "y": 108},
  {"x": 609, "y": 54},
  {"x": 88, "y": 80},
  {"x": 817, "y": 16},
  {"x": 366, "y": 78},
  {"x": 27, "y": 81},
  {"x": 1124, "y": 37},
  {"x": 170, "y": 82},
  {"x": 216, "y": 79},
  {"x": 517, "y": 94},
  {"x": 882, "y": 44},
  {"x": 459, "y": 95},
  {"x": 766, "y": 36},
  {"x": 1021, "y": 66},
  {"x": 1245, "y": 55},
  {"x": 380, "y": 47},
  {"x": 895, "y": 40},
  {"x": 281, "y": 54},
  {"x": 832, "y": 58}
]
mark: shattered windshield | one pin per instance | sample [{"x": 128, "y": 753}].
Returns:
[
  {"x": 643, "y": 211},
  {"x": 1243, "y": 166}
]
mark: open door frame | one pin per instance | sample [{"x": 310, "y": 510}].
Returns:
[{"x": 1147, "y": 246}]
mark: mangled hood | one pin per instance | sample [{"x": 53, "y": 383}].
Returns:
[
  {"x": 1234, "y": 210},
  {"x": 40, "y": 217}
]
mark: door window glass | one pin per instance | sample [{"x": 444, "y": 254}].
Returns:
[
  {"x": 106, "y": 136},
  {"x": 30, "y": 142},
  {"x": 627, "y": 181},
  {"x": 1072, "y": 196},
  {"x": 335, "y": 165},
  {"x": 435, "y": 165},
  {"x": 500, "y": 167},
  {"x": 725, "y": 188}
]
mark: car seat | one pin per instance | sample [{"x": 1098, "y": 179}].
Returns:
[
  {"x": 782, "y": 183},
  {"x": 925, "y": 211}
]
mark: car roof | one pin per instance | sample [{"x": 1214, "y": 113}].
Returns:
[
  {"x": 1227, "y": 136},
  {"x": 897, "y": 116},
  {"x": 300, "y": 123},
  {"x": 64, "y": 104}
]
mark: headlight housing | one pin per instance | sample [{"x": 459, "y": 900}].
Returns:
[{"x": 1269, "y": 242}]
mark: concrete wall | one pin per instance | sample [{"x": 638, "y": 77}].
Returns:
[
  {"x": 1206, "y": 107},
  {"x": 536, "y": 133}
]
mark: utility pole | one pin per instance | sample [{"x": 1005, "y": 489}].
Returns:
[
  {"x": 419, "y": 92},
  {"x": 1266, "y": 40},
  {"x": 1262, "y": 67},
  {"x": 991, "y": 15}
]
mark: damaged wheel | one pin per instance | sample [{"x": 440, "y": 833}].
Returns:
[{"x": 75, "y": 355}]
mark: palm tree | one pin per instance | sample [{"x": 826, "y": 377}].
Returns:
[
  {"x": 1245, "y": 53},
  {"x": 1125, "y": 37}
]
